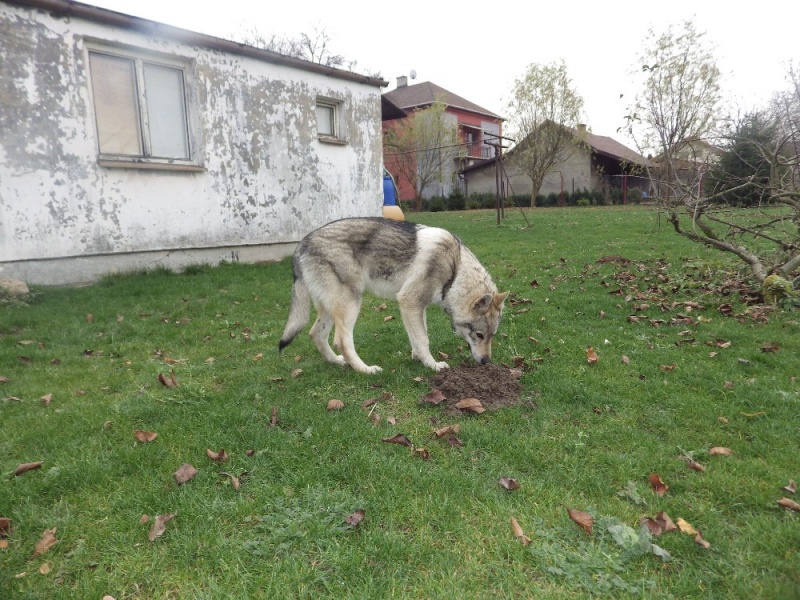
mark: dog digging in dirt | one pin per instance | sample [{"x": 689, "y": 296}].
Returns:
[{"x": 413, "y": 264}]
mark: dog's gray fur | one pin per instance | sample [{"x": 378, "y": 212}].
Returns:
[{"x": 414, "y": 264}]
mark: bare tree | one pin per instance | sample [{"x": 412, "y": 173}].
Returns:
[
  {"x": 313, "y": 48},
  {"x": 543, "y": 113},
  {"x": 676, "y": 118},
  {"x": 422, "y": 148}
]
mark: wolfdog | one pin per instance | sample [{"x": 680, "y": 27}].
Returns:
[{"x": 413, "y": 264}]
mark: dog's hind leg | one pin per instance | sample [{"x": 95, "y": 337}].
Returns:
[
  {"x": 320, "y": 335},
  {"x": 345, "y": 315}
]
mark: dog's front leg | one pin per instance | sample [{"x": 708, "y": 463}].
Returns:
[{"x": 417, "y": 329}]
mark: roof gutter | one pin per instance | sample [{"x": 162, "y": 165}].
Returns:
[{"x": 70, "y": 8}]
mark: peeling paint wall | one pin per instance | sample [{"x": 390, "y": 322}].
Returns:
[{"x": 267, "y": 178}]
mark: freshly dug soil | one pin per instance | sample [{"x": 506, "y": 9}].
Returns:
[{"x": 494, "y": 385}]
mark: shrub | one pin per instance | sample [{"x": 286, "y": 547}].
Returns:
[
  {"x": 583, "y": 202},
  {"x": 436, "y": 204},
  {"x": 634, "y": 195},
  {"x": 456, "y": 201}
]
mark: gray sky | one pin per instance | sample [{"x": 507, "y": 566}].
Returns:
[{"x": 478, "y": 52}]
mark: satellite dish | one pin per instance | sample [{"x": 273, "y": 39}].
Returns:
[{"x": 413, "y": 74}]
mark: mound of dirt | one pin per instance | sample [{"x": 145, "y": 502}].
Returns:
[{"x": 494, "y": 385}]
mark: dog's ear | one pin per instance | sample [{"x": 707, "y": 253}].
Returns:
[
  {"x": 483, "y": 303},
  {"x": 499, "y": 299}
]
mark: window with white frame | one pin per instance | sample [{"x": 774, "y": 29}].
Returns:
[
  {"x": 142, "y": 110},
  {"x": 328, "y": 120}
]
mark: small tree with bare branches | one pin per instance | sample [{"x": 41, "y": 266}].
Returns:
[
  {"x": 422, "y": 148},
  {"x": 676, "y": 118}
]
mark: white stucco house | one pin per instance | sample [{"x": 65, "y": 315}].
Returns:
[{"x": 126, "y": 143}]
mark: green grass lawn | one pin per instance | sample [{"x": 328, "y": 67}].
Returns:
[{"x": 584, "y": 436}]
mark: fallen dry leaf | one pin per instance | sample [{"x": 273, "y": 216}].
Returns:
[
  {"x": 354, "y": 518},
  {"x": 791, "y": 487},
  {"x": 582, "y": 519},
  {"x": 625, "y": 360},
  {"x": 184, "y": 473},
  {"x": 170, "y": 382},
  {"x": 47, "y": 541},
  {"x": 274, "y": 420},
  {"x": 434, "y": 397},
  {"x": 335, "y": 405},
  {"x": 235, "y": 481},
  {"x": 694, "y": 465},
  {"x": 698, "y": 539},
  {"x": 220, "y": 456},
  {"x": 258, "y": 356},
  {"x": 686, "y": 527},
  {"x": 439, "y": 433},
  {"x": 90, "y": 318},
  {"x": 45, "y": 568},
  {"x": 4, "y": 379},
  {"x": 159, "y": 526},
  {"x": 388, "y": 318},
  {"x": 719, "y": 451},
  {"x": 422, "y": 453},
  {"x": 789, "y": 503},
  {"x": 144, "y": 436},
  {"x": 400, "y": 438},
  {"x": 5, "y": 526},
  {"x": 471, "y": 405},
  {"x": 296, "y": 373},
  {"x": 658, "y": 525},
  {"x": 659, "y": 487},
  {"x": 46, "y": 399},
  {"x": 144, "y": 519},
  {"x": 25, "y": 467},
  {"x": 508, "y": 483},
  {"x": 667, "y": 367},
  {"x": 771, "y": 347},
  {"x": 591, "y": 356},
  {"x": 518, "y": 533}
]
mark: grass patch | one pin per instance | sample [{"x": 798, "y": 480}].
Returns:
[{"x": 433, "y": 529}]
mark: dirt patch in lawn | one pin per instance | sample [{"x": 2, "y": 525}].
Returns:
[{"x": 494, "y": 385}]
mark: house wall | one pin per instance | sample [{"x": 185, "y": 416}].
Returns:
[
  {"x": 266, "y": 179},
  {"x": 572, "y": 174},
  {"x": 450, "y": 178}
]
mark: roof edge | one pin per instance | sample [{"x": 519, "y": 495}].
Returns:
[{"x": 70, "y": 8}]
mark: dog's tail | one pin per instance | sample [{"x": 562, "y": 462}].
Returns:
[{"x": 299, "y": 313}]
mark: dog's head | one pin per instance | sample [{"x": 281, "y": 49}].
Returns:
[{"x": 477, "y": 322}]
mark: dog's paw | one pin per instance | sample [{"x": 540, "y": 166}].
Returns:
[
  {"x": 438, "y": 366},
  {"x": 371, "y": 369}
]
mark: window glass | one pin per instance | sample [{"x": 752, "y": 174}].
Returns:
[
  {"x": 114, "y": 89},
  {"x": 166, "y": 111},
  {"x": 325, "y": 120}
]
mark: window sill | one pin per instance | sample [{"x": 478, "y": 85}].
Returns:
[
  {"x": 326, "y": 139},
  {"x": 150, "y": 165}
]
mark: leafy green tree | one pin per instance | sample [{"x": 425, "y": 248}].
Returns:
[{"x": 543, "y": 114}]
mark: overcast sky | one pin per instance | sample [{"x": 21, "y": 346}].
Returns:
[{"x": 478, "y": 52}]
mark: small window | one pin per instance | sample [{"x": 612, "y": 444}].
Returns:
[
  {"x": 328, "y": 120},
  {"x": 142, "y": 111}
]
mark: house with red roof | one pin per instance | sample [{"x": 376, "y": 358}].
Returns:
[{"x": 477, "y": 128}]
